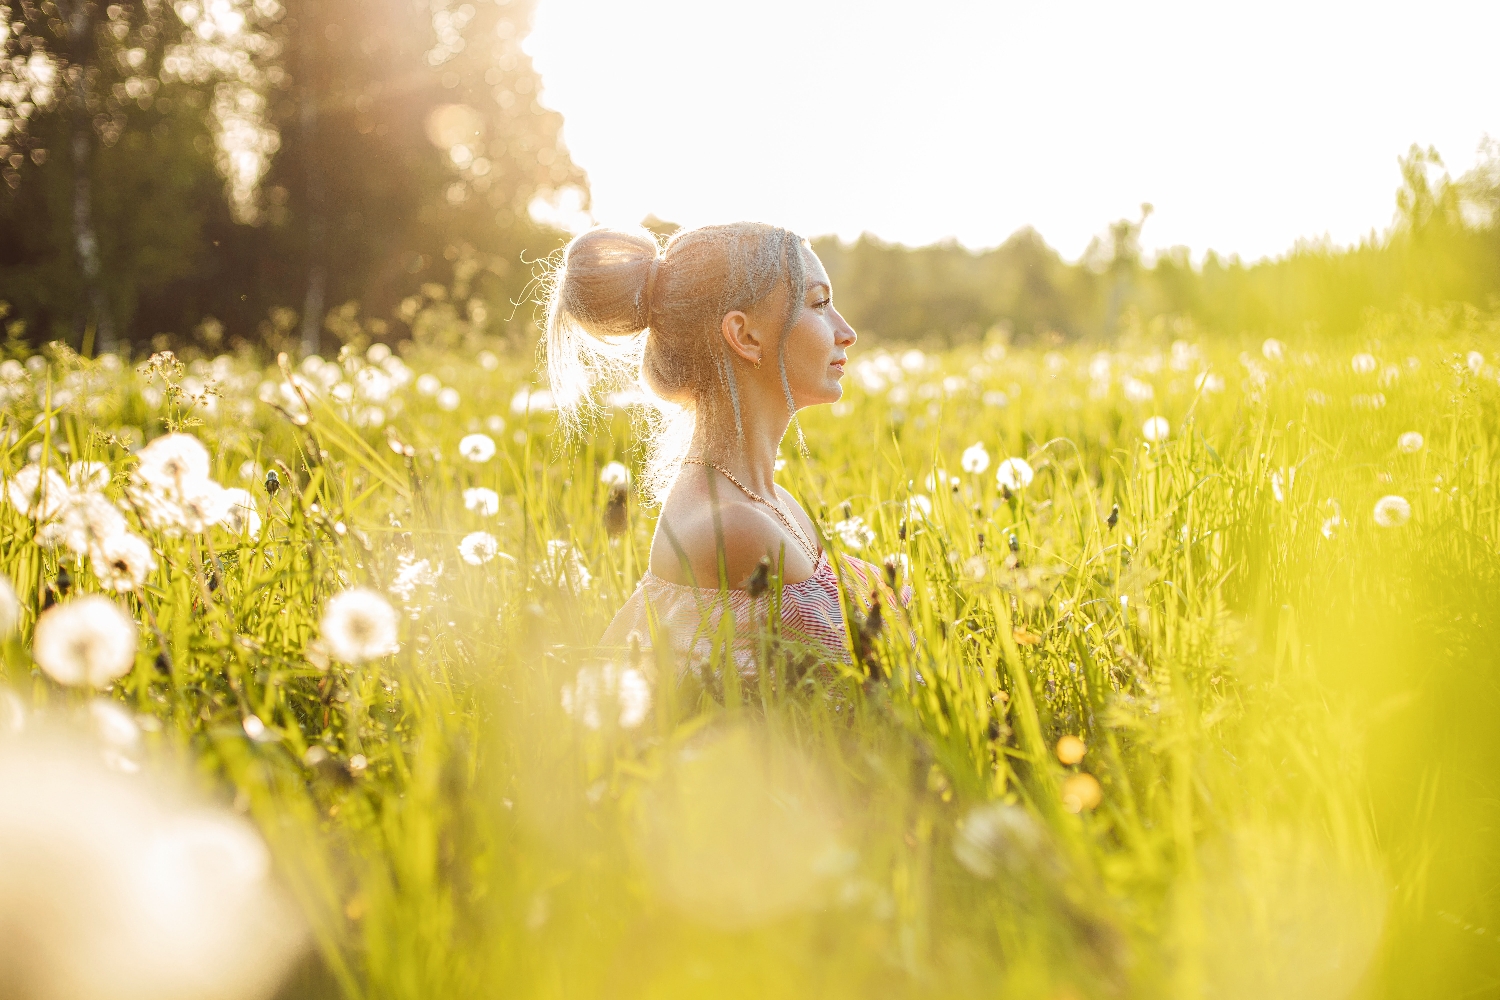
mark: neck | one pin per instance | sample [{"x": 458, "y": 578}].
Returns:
[{"x": 752, "y": 458}]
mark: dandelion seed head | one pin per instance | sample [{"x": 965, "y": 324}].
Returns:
[
  {"x": 429, "y": 384},
  {"x": 1363, "y": 364},
  {"x": 854, "y": 532},
  {"x": 1014, "y": 474},
  {"x": 477, "y": 448},
  {"x": 1156, "y": 429},
  {"x": 615, "y": 475},
  {"x": 975, "y": 459},
  {"x": 241, "y": 515},
  {"x": 482, "y": 500},
  {"x": 596, "y": 693},
  {"x": 358, "y": 626},
  {"x": 37, "y": 494},
  {"x": 1410, "y": 443},
  {"x": 10, "y": 608},
  {"x": 86, "y": 642},
  {"x": 478, "y": 548},
  {"x": 1392, "y": 511},
  {"x": 88, "y": 476},
  {"x": 83, "y": 520},
  {"x": 122, "y": 561},
  {"x": 1475, "y": 361},
  {"x": 564, "y": 566},
  {"x": 1272, "y": 349},
  {"x": 170, "y": 460},
  {"x": 447, "y": 399}
]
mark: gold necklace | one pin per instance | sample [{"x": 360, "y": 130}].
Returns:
[{"x": 808, "y": 548}]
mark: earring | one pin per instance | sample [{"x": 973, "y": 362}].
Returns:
[{"x": 757, "y": 364}]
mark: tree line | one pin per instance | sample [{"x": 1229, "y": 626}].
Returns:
[
  {"x": 1442, "y": 249},
  {"x": 282, "y": 171}
]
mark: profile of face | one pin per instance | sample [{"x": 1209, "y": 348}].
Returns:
[{"x": 816, "y": 347}]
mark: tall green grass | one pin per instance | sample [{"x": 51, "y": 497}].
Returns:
[{"x": 1289, "y": 709}]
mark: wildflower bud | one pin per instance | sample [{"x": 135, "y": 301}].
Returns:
[
  {"x": 1114, "y": 516},
  {"x": 273, "y": 483},
  {"x": 980, "y": 537},
  {"x": 760, "y": 579},
  {"x": 901, "y": 530},
  {"x": 1015, "y": 543},
  {"x": 616, "y": 513}
]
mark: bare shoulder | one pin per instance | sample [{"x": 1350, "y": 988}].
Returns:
[{"x": 690, "y": 541}]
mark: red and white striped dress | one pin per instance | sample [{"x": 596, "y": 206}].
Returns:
[{"x": 690, "y": 617}]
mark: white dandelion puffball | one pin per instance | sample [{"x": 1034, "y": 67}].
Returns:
[
  {"x": 477, "y": 447},
  {"x": 358, "y": 626},
  {"x": 975, "y": 459},
  {"x": 481, "y": 500},
  {"x": 1137, "y": 391},
  {"x": 122, "y": 562},
  {"x": 615, "y": 475},
  {"x": 1156, "y": 429},
  {"x": 88, "y": 641},
  {"x": 1363, "y": 364},
  {"x": 428, "y": 384},
  {"x": 597, "y": 690},
  {"x": 88, "y": 476},
  {"x": 563, "y": 566},
  {"x": 919, "y": 507},
  {"x": 854, "y": 532},
  {"x": 448, "y": 399},
  {"x": 1410, "y": 443},
  {"x": 35, "y": 494},
  {"x": 1014, "y": 474},
  {"x": 1272, "y": 349},
  {"x": 10, "y": 608},
  {"x": 478, "y": 548},
  {"x": 172, "y": 460},
  {"x": 176, "y": 901},
  {"x": 241, "y": 516},
  {"x": 84, "y": 520},
  {"x": 1475, "y": 361},
  {"x": 1392, "y": 511}
]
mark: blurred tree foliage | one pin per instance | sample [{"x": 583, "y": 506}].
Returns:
[
  {"x": 1443, "y": 248},
  {"x": 257, "y": 165}
]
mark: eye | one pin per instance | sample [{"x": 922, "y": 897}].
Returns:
[{"x": 823, "y": 303}]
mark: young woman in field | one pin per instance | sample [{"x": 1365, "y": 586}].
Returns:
[{"x": 728, "y": 332}]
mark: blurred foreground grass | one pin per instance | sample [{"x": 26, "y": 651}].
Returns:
[{"x": 1287, "y": 783}]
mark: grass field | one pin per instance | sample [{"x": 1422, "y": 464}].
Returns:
[{"x": 1194, "y": 712}]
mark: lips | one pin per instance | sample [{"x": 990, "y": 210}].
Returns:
[{"x": 839, "y": 364}]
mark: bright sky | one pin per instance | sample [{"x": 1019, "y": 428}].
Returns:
[{"x": 1247, "y": 125}]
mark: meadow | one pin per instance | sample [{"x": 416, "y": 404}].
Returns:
[{"x": 1194, "y": 697}]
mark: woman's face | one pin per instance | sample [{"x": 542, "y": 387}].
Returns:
[{"x": 818, "y": 342}]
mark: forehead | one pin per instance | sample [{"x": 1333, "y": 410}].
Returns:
[{"x": 813, "y": 268}]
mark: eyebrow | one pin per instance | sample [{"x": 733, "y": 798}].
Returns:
[{"x": 820, "y": 284}]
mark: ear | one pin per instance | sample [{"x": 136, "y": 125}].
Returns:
[{"x": 743, "y": 338}]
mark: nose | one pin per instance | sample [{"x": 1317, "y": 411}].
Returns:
[{"x": 844, "y": 334}]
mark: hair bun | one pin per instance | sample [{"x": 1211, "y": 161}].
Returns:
[{"x": 608, "y": 279}]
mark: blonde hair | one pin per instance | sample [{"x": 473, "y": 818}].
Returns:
[{"x": 623, "y": 312}]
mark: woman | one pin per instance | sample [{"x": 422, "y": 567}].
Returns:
[{"x": 729, "y": 332}]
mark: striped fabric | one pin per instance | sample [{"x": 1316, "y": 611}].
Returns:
[{"x": 690, "y": 617}]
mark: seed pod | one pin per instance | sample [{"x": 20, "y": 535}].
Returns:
[
  {"x": 1015, "y": 543},
  {"x": 616, "y": 513},
  {"x": 760, "y": 579},
  {"x": 273, "y": 483},
  {"x": 1114, "y": 515}
]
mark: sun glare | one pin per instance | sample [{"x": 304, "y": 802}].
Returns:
[{"x": 1247, "y": 128}]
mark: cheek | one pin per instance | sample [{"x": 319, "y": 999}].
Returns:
[{"x": 809, "y": 348}]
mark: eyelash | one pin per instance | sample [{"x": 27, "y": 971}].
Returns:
[{"x": 823, "y": 305}]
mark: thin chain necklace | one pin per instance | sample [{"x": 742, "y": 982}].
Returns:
[{"x": 803, "y": 542}]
